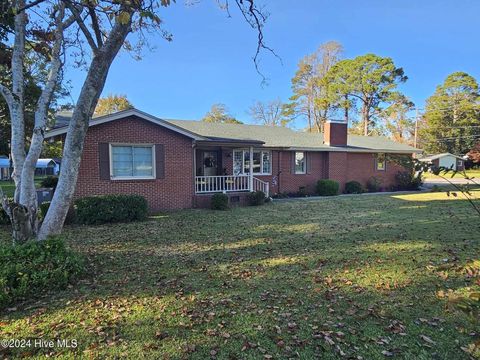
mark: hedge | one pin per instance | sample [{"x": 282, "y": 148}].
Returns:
[
  {"x": 71, "y": 215},
  {"x": 49, "y": 182},
  {"x": 35, "y": 266},
  {"x": 374, "y": 184},
  {"x": 327, "y": 187},
  {"x": 103, "y": 209},
  {"x": 219, "y": 202},
  {"x": 353, "y": 187},
  {"x": 4, "y": 219},
  {"x": 406, "y": 180},
  {"x": 256, "y": 198}
]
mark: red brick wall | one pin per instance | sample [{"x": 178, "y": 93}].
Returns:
[
  {"x": 173, "y": 192},
  {"x": 362, "y": 166},
  {"x": 339, "y": 166},
  {"x": 289, "y": 182}
]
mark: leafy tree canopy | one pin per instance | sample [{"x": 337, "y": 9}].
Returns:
[
  {"x": 451, "y": 122},
  {"x": 219, "y": 114},
  {"x": 112, "y": 104},
  {"x": 52, "y": 150},
  {"x": 370, "y": 81}
]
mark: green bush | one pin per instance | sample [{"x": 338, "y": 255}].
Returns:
[
  {"x": 406, "y": 180},
  {"x": 374, "y": 184},
  {"x": 71, "y": 215},
  {"x": 327, "y": 187},
  {"x": 219, "y": 202},
  {"x": 353, "y": 187},
  {"x": 49, "y": 182},
  {"x": 110, "y": 209},
  {"x": 4, "y": 219},
  {"x": 256, "y": 198},
  {"x": 30, "y": 268}
]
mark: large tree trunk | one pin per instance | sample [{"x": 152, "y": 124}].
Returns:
[
  {"x": 17, "y": 142},
  {"x": 365, "y": 120},
  {"x": 28, "y": 193},
  {"x": 73, "y": 147}
]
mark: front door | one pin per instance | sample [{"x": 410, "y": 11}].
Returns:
[{"x": 210, "y": 163}]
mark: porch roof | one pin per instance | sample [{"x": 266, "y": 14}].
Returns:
[{"x": 217, "y": 141}]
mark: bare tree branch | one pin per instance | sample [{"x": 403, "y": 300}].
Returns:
[
  {"x": 95, "y": 25},
  {"x": 256, "y": 19},
  {"x": 82, "y": 25},
  {"x": 32, "y": 4}
]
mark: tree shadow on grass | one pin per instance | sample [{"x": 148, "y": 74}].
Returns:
[{"x": 323, "y": 265}]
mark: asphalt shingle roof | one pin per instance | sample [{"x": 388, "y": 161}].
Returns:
[
  {"x": 287, "y": 138},
  {"x": 271, "y": 136}
]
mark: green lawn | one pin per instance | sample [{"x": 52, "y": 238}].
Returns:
[
  {"x": 470, "y": 173},
  {"x": 8, "y": 187},
  {"x": 350, "y": 277}
]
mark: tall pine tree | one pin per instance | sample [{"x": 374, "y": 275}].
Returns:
[{"x": 452, "y": 116}]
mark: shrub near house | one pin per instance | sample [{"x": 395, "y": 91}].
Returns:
[
  {"x": 327, "y": 187},
  {"x": 353, "y": 187},
  {"x": 96, "y": 210},
  {"x": 219, "y": 202}
]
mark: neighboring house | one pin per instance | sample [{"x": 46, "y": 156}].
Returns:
[
  {"x": 445, "y": 160},
  {"x": 46, "y": 167},
  {"x": 5, "y": 168},
  {"x": 180, "y": 164}
]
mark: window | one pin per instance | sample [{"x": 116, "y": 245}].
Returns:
[
  {"x": 299, "y": 162},
  {"x": 381, "y": 162},
  {"x": 261, "y": 162},
  {"x": 132, "y": 161}
]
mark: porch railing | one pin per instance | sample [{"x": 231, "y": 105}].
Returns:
[
  {"x": 260, "y": 185},
  {"x": 228, "y": 183}
]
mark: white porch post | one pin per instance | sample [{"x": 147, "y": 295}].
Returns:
[{"x": 250, "y": 170}]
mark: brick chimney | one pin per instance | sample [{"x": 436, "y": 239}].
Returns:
[{"x": 335, "y": 133}]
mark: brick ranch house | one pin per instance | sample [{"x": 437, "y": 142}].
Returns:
[{"x": 178, "y": 164}]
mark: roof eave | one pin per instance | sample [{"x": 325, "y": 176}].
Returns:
[{"x": 124, "y": 114}]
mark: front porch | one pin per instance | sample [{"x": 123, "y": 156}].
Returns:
[{"x": 229, "y": 170}]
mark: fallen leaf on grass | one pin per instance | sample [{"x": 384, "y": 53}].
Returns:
[{"x": 427, "y": 339}]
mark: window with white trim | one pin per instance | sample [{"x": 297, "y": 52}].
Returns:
[
  {"x": 261, "y": 163},
  {"x": 300, "y": 165},
  {"x": 381, "y": 162},
  {"x": 132, "y": 161}
]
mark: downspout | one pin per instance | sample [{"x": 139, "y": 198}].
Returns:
[
  {"x": 194, "y": 154},
  {"x": 279, "y": 171}
]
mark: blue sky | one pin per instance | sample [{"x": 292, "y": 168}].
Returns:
[{"x": 210, "y": 58}]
